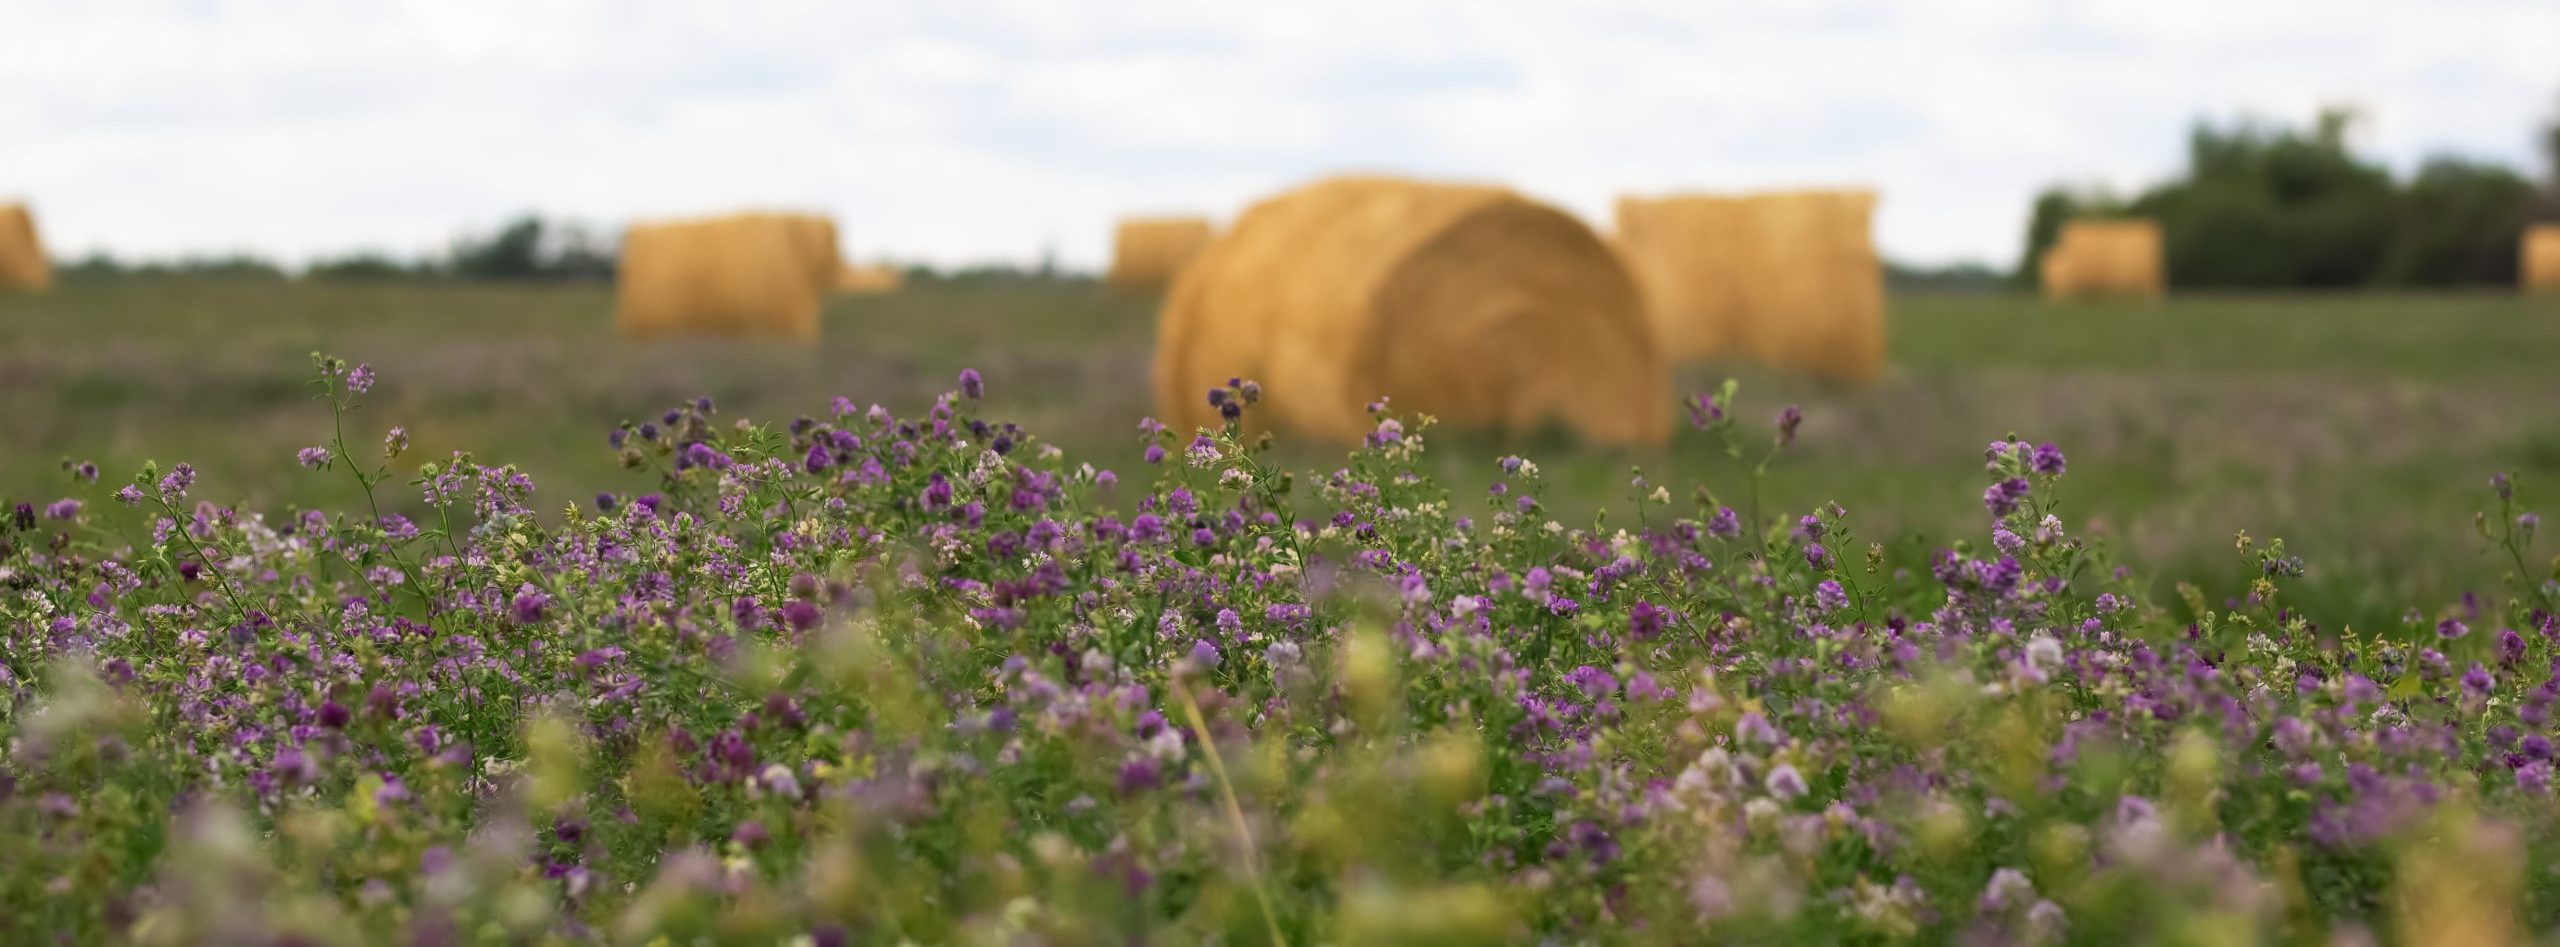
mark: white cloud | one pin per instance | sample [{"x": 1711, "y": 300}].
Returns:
[{"x": 971, "y": 130}]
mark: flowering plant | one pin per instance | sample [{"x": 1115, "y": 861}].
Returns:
[{"x": 873, "y": 678}]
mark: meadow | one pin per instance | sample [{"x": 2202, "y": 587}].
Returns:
[
  {"x": 2361, "y": 428},
  {"x": 924, "y": 674}
]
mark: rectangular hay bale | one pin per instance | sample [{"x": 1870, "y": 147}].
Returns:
[
  {"x": 741, "y": 275},
  {"x": 1148, "y": 252},
  {"x": 23, "y": 265},
  {"x": 2538, "y": 269},
  {"x": 2105, "y": 259},
  {"x": 1790, "y": 278}
]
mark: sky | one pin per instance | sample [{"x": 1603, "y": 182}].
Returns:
[{"x": 957, "y": 132}]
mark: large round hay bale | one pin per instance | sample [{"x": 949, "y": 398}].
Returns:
[
  {"x": 1147, "y": 253},
  {"x": 2118, "y": 258},
  {"x": 747, "y": 274},
  {"x": 23, "y": 265},
  {"x": 1468, "y": 303},
  {"x": 2539, "y": 264}
]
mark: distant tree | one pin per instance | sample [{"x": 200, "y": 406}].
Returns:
[
  {"x": 2269, "y": 207},
  {"x": 578, "y": 254},
  {"x": 363, "y": 265},
  {"x": 513, "y": 253},
  {"x": 2272, "y": 207},
  {"x": 2459, "y": 223},
  {"x": 2551, "y": 150},
  {"x": 231, "y": 266},
  {"x": 1956, "y": 279},
  {"x": 98, "y": 265},
  {"x": 530, "y": 248}
]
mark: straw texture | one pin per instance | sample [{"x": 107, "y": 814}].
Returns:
[
  {"x": 23, "y": 265},
  {"x": 1469, "y": 303}
]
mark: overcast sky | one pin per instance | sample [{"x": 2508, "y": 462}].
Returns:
[{"x": 953, "y": 131}]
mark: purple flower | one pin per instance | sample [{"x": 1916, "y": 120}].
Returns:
[
  {"x": 173, "y": 486},
  {"x": 1829, "y": 596},
  {"x": 1154, "y": 454},
  {"x": 1593, "y": 682},
  {"x": 360, "y": 380},
  {"x": 62, "y": 509},
  {"x": 1704, "y": 411},
  {"x": 313, "y": 457},
  {"x": 1788, "y": 419},
  {"x": 2450, "y": 629},
  {"x": 529, "y": 605},
  {"x": 971, "y": 386},
  {"x": 1645, "y": 621},
  {"x": 2047, "y": 460},
  {"x": 2003, "y": 498},
  {"x": 1204, "y": 656},
  {"x": 1726, "y": 524},
  {"x": 817, "y": 459},
  {"x": 1784, "y": 782},
  {"x": 1139, "y": 775}
]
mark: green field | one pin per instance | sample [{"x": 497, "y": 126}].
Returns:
[{"x": 2361, "y": 428}]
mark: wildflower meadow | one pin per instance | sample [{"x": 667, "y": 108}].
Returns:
[{"x": 866, "y": 677}]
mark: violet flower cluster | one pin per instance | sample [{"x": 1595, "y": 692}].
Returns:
[{"x": 871, "y": 678}]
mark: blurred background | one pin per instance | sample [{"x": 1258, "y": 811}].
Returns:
[{"x": 2324, "y": 326}]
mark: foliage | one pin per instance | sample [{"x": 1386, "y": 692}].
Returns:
[
  {"x": 364, "y": 265},
  {"x": 529, "y": 248},
  {"x": 863, "y": 677},
  {"x": 101, "y": 266},
  {"x": 2270, "y": 207}
]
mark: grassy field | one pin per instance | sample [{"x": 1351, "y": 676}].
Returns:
[{"x": 2361, "y": 428}]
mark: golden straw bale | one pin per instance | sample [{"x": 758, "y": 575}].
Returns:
[
  {"x": 22, "y": 261},
  {"x": 871, "y": 280},
  {"x": 1469, "y": 303},
  {"x": 1691, "y": 254},
  {"x": 1816, "y": 303},
  {"x": 746, "y": 274},
  {"x": 2540, "y": 263},
  {"x": 1148, "y": 252},
  {"x": 1789, "y": 277},
  {"x": 813, "y": 240},
  {"x": 2104, "y": 258}
]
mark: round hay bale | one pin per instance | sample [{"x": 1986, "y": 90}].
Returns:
[
  {"x": 1468, "y": 303},
  {"x": 23, "y": 264}
]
